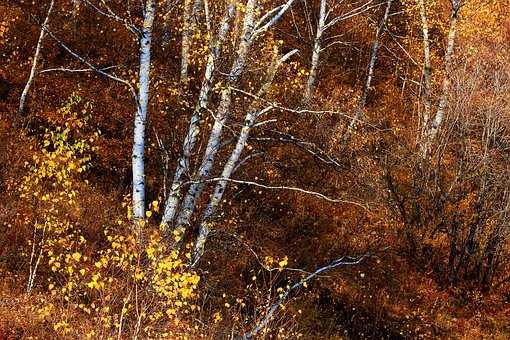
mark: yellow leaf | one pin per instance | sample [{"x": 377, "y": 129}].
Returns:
[{"x": 77, "y": 256}]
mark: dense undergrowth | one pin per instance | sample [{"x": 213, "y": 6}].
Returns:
[{"x": 425, "y": 237}]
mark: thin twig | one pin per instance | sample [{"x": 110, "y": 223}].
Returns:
[
  {"x": 110, "y": 14},
  {"x": 280, "y": 187},
  {"x": 90, "y": 65},
  {"x": 278, "y": 106},
  {"x": 63, "y": 69}
]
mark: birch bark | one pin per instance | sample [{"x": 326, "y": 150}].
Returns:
[
  {"x": 427, "y": 68},
  {"x": 312, "y": 77},
  {"x": 217, "y": 195},
  {"x": 435, "y": 124},
  {"x": 323, "y": 24},
  {"x": 189, "y": 27},
  {"x": 194, "y": 126},
  {"x": 233, "y": 161},
  {"x": 30, "y": 80},
  {"x": 138, "y": 163},
  {"x": 165, "y": 36},
  {"x": 76, "y": 8},
  {"x": 189, "y": 202}
]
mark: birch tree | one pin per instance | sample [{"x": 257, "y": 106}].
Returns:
[
  {"x": 190, "y": 140},
  {"x": 312, "y": 78},
  {"x": 250, "y": 31},
  {"x": 33, "y": 69},
  {"x": 76, "y": 8},
  {"x": 179, "y": 210},
  {"x": 435, "y": 124},
  {"x": 249, "y": 122},
  {"x": 427, "y": 67},
  {"x": 213, "y": 143},
  {"x": 326, "y": 21},
  {"x": 138, "y": 162},
  {"x": 168, "y": 8},
  {"x": 141, "y": 98}
]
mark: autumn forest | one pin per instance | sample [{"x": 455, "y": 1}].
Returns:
[{"x": 255, "y": 169}]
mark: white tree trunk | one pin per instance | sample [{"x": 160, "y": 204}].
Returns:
[
  {"x": 312, "y": 77},
  {"x": 30, "y": 80},
  {"x": 194, "y": 126},
  {"x": 233, "y": 161},
  {"x": 213, "y": 144},
  {"x": 435, "y": 124},
  {"x": 141, "y": 113},
  {"x": 219, "y": 189}
]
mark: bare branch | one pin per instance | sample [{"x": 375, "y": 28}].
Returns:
[
  {"x": 308, "y": 147},
  {"x": 63, "y": 69},
  {"x": 256, "y": 256},
  {"x": 110, "y": 14},
  {"x": 355, "y": 12},
  {"x": 303, "y": 111},
  {"x": 91, "y": 66},
  {"x": 343, "y": 261},
  {"x": 281, "y": 187},
  {"x": 246, "y": 159},
  {"x": 282, "y": 9}
]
